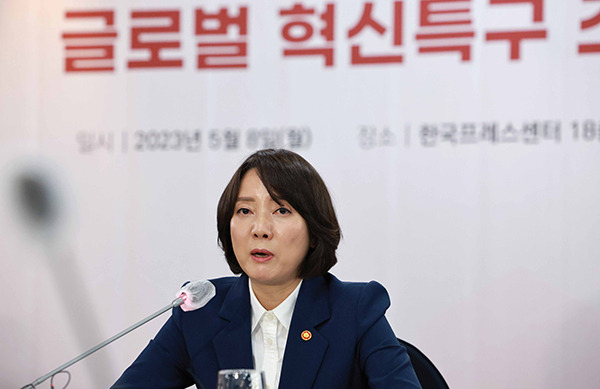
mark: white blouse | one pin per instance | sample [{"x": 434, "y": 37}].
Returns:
[{"x": 269, "y": 334}]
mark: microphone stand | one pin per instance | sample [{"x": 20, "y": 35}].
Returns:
[{"x": 177, "y": 302}]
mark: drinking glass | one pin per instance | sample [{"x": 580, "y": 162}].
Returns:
[{"x": 241, "y": 379}]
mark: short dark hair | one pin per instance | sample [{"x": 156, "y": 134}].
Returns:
[{"x": 286, "y": 176}]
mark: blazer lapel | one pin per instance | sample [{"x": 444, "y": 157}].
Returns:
[
  {"x": 303, "y": 356},
  {"x": 233, "y": 344}
]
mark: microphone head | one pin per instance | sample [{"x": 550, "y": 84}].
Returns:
[{"x": 196, "y": 294}]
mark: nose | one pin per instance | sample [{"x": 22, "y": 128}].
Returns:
[{"x": 262, "y": 227}]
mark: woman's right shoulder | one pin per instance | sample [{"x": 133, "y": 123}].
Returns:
[
  {"x": 222, "y": 287},
  {"x": 224, "y": 282}
]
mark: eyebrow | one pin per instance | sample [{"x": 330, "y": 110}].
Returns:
[{"x": 252, "y": 199}]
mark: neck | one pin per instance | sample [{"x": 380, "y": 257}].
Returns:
[{"x": 270, "y": 296}]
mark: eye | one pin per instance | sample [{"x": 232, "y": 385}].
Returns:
[
  {"x": 283, "y": 211},
  {"x": 243, "y": 211}
]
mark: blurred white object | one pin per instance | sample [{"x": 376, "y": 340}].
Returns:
[{"x": 196, "y": 294}]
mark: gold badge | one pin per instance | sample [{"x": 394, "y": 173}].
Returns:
[{"x": 306, "y": 335}]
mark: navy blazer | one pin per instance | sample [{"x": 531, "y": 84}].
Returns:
[{"x": 352, "y": 344}]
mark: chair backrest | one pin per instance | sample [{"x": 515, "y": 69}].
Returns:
[{"x": 429, "y": 376}]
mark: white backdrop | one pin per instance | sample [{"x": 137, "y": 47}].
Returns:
[{"x": 465, "y": 175}]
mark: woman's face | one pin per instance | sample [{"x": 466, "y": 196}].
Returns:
[{"x": 270, "y": 241}]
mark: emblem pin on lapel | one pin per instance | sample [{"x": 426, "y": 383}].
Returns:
[{"x": 306, "y": 335}]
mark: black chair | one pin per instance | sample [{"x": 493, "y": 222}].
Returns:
[{"x": 429, "y": 376}]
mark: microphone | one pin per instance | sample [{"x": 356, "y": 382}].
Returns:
[
  {"x": 195, "y": 294},
  {"x": 192, "y": 295}
]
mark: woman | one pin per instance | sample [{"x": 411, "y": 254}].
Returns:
[{"x": 285, "y": 314}]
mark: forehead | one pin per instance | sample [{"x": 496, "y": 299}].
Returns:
[
  {"x": 252, "y": 188},
  {"x": 251, "y": 183}
]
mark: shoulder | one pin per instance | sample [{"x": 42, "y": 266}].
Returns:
[
  {"x": 353, "y": 306},
  {"x": 222, "y": 286},
  {"x": 210, "y": 316},
  {"x": 224, "y": 282},
  {"x": 368, "y": 300},
  {"x": 365, "y": 301},
  {"x": 360, "y": 292}
]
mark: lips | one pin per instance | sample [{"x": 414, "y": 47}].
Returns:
[{"x": 261, "y": 255}]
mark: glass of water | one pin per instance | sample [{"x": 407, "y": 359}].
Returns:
[{"x": 241, "y": 379}]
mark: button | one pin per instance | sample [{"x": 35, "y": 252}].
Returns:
[
  {"x": 269, "y": 341},
  {"x": 269, "y": 316}
]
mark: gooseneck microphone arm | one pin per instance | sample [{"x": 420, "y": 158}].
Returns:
[
  {"x": 177, "y": 302},
  {"x": 191, "y": 296}
]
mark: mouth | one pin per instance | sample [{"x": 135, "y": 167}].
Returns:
[{"x": 261, "y": 255}]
